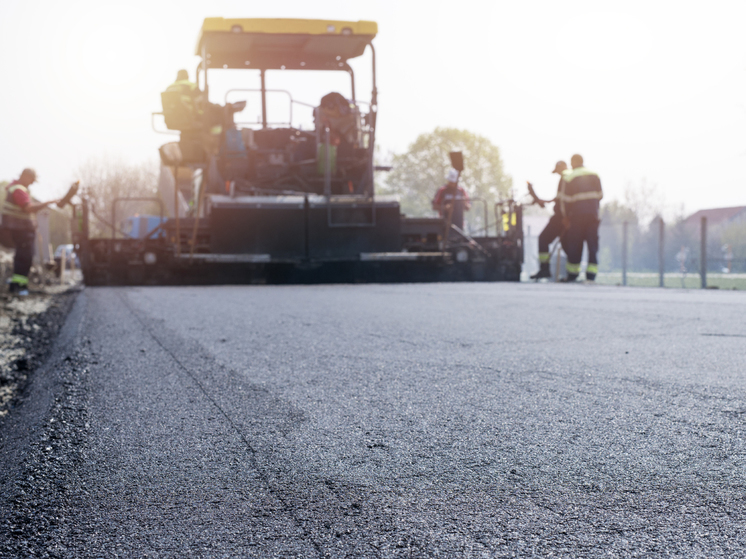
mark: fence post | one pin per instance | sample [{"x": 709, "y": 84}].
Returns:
[
  {"x": 703, "y": 252},
  {"x": 661, "y": 253},
  {"x": 624, "y": 253}
]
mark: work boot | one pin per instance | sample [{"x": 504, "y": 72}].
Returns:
[
  {"x": 571, "y": 278},
  {"x": 17, "y": 289},
  {"x": 543, "y": 272}
]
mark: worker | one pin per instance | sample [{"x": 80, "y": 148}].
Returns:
[
  {"x": 581, "y": 202},
  {"x": 554, "y": 228},
  {"x": 191, "y": 96},
  {"x": 452, "y": 200},
  {"x": 19, "y": 227},
  {"x": 201, "y": 123}
]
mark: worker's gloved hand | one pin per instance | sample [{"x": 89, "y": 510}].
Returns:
[
  {"x": 62, "y": 202},
  {"x": 536, "y": 199}
]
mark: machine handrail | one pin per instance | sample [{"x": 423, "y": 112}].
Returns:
[
  {"x": 167, "y": 132},
  {"x": 290, "y": 96},
  {"x": 255, "y": 90}
]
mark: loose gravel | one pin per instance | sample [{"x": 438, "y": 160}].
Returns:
[{"x": 28, "y": 326}]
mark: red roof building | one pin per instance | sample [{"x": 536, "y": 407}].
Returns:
[{"x": 717, "y": 217}]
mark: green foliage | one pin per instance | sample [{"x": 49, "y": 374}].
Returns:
[
  {"x": 645, "y": 200},
  {"x": 616, "y": 212},
  {"x": 613, "y": 214},
  {"x": 421, "y": 170}
]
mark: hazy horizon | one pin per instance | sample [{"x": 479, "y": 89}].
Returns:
[{"x": 645, "y": 91}]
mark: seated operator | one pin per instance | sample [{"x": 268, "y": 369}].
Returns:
[
  {"x": 452, "y": 200},
  {"x": 342, "y": 118},
  {"x": 190, "y": 97},
  {"x": 200, "y": 122},
  {"x": 198, "y": 110}
]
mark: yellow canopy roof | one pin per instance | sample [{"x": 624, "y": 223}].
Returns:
[{"x": 278, "y": 43}]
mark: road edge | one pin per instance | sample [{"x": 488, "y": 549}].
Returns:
[{"x": 29, "y": 423}]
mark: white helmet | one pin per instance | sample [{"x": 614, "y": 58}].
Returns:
[{"x": 452, "y": 175}]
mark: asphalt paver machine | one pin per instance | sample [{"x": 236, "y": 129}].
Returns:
[{"x": 275, "y": 202}]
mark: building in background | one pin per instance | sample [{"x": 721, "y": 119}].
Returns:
[
  {"x": 726, "y": 237},
  {"x": 717, "y": 218}
]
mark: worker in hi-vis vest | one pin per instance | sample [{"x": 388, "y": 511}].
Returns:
[
  {"x": 195, "y": 112},
  {"x": 190, "y": 95},
  {"x": 580, "y": 205},
  {"x": 452, "y": 199},
  {"x": 554, "y": 228},
  {"x": 19, "y": 227}
]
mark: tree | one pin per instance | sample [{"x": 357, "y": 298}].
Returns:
[
  {"x": 613, "y": 215},
  {"x": 421, "y": 170},
  {"x": 645, "y": 200},
  {"x": 103, "y": 180}
]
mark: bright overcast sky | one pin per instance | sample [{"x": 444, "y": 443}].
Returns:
[{"x": 643, "y": 90}]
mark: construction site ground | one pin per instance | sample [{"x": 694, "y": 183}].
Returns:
[
  {"x": 437, "y": 420},
  {"x": 28, "y": 326}
]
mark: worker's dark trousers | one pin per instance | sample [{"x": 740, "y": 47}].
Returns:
[
  {"x": 552, "y": 230},
  {"x": 583, "y": 228},
  {"x": 24, "y": 243}
]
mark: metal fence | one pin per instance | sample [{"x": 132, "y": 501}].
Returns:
[{"x": 663, "y": 255}]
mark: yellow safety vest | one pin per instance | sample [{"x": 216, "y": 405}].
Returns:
[
  {"x": 189, "y": 94},
  {"x": 13, "y": 215}
]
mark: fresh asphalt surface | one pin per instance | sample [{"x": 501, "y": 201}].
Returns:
[{"x": 440, "y": 420}]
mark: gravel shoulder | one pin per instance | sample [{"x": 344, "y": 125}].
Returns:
[
  {"x": 32, "y": 334},
  {"x": 28, "y": 327}
]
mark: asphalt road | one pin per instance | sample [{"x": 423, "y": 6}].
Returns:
[{"x": 443, "y": 420}]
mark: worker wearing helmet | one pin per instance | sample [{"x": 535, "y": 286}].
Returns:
[
  {"x": 19, "y": 227},
  {"x": 182, "y": 83},
  {"x": 190, "y": 95},
  {"x": 581, "y": 201},
  {"x": 199, "y": 120},
  {"x": 452, "y": 199},
  {"x": 554, "y": 228}
]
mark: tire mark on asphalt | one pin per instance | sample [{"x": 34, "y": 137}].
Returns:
[
  {"x": 725, "y": 335},
  {"x": 252, "y": 451}
]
